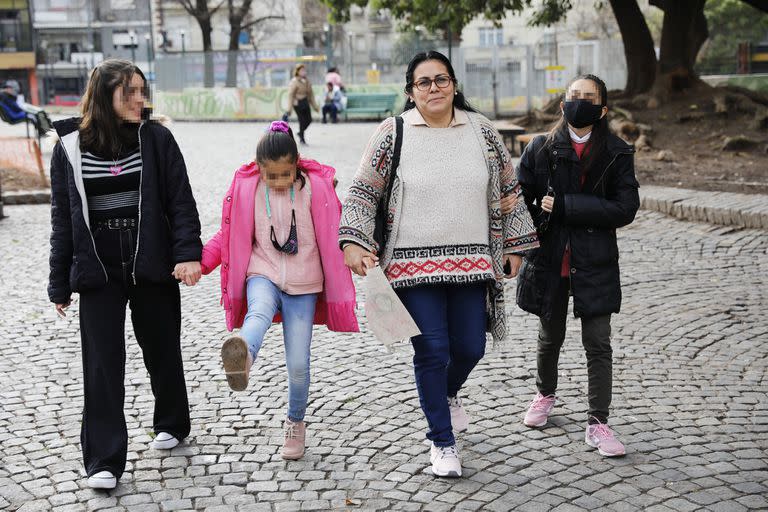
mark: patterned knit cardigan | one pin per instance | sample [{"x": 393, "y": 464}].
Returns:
[{"x": 508, "y": 234}]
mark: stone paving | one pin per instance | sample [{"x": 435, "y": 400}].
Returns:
[{"x": 690, "y": 350}]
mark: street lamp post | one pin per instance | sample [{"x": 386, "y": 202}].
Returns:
[
  {"x": 132, "y": 36},
  {"x": 149, "y": 53},
  {"x": 351, "y": 58},
  {"x": 328, "y": 45},
  {"x": 183, "y": 45}
]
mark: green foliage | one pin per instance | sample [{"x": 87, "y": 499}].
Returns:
[
  {"x": 730, "y": 23},
  {"x": 435, "y": 15}
]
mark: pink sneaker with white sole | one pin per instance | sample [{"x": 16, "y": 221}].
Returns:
[
  {"x": 538, "y": 411},
  {"x": 600, "y": 436}
]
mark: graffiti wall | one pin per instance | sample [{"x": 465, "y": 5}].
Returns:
[
  {"x": 263, "y": 103},
  {"x": 237, "y": 103}
]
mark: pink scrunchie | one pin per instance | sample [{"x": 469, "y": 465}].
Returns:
[{"x": 278, "y": 126}]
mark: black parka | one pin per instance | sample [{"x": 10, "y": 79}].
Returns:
[
  {"x": 169, "y": 227},
  {"x": 584, "y": 217}
]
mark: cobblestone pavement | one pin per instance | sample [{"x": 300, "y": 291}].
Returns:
[{"x": 690, "y": 350}]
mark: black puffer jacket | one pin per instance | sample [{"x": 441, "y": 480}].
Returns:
[
  {"x": 587, "y": 218},
  {"x": 169, "y": 227}
]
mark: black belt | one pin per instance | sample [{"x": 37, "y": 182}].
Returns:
[{"x": 127, "y": 223}]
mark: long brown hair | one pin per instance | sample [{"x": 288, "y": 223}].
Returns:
[{"x": 100, "y": 124}]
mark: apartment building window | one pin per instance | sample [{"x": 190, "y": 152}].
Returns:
[{"x": 491, "y": 36}]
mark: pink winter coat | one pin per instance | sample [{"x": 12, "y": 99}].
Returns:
[{"x": 232, "y": 245}]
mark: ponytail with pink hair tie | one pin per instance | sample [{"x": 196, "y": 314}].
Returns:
[{"x": 279, "y": 126}]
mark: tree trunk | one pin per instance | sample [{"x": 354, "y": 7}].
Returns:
[
  {"x": 638, "y": 46},
  {"x": 683, "y": 33},
  {"x": 234, "y": 46},
  {"x": 205, "y": 27}
]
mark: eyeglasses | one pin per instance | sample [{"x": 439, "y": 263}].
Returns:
[{"x": 441, "y": 81}]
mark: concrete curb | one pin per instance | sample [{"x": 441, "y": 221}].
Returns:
[
  {"x": 721, "y": 208},
  {"x": 42, "y": 196}
]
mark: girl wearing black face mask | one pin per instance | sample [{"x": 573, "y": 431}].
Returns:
[{"x": 579, "y": 185}]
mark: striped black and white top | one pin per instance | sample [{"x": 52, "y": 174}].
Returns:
[{"x": 112, "y": 186}]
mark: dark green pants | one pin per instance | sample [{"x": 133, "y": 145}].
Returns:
[{"x": 596, "y": 338}]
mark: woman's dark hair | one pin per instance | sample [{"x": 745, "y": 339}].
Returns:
[
  {"x": 459, "y": 101},
  {"x": 298, "y": 68},
  {"x": 100, "y": 125},
  {"x": 276, "y": 145},
  {"x": 599, "y": 139}
]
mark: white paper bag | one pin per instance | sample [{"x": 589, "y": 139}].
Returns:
[{"x": 388, "y": 319}]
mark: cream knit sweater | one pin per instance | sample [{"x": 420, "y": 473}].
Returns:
[{"x": 443, "y": 231}]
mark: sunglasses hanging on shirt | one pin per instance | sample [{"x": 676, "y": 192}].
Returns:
[{"x": 291, "y": 245}]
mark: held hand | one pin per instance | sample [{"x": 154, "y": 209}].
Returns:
[
  {"x": 508, "y": 203},
  {"x": 512, "y": 264},
  {"x": 61, "y": 307},
  {"x": 547, "y": 203},
  {"x": 358, "y": 259},
  {"x": 189, "y": 272}
]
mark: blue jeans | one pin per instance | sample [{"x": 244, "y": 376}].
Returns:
[
  {"x": 452, "y": 322},
  {"x": 265, "y": 299}
]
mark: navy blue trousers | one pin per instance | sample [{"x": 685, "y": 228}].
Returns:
[{"x": 452, "y": 322}]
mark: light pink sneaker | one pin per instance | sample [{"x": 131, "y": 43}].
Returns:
[
  {"x": 295, "y": 439},
  {"x": 600, "y": 436},
  {"x": 539, "y": 410},
  {"x": 459, "y": 417}
]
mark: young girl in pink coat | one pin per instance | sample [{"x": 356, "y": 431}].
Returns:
[{"x": 280, "y": 261}]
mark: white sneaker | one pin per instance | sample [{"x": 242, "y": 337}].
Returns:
[
  {"x": 163, "y": 441},
  {"x": 102, "y": 480},
  {"x": 459, "y": 418},
  {"x": 445, "y": 461}
]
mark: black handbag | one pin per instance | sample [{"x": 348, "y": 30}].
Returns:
[{"x": 382, "y": 209}]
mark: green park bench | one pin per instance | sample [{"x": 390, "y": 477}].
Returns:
[{"x": 368, "y": 103}]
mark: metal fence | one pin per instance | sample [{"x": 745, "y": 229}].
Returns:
[{"x": 500, "y": 80}]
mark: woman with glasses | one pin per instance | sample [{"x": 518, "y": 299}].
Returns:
[
  {"x": 446, "y": 243},
  {"x": 280, "y": 261},
  {"x": 124, "y": 222},
  {"x": 579, "y": 184}
]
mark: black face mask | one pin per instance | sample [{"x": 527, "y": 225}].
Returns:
[{"x": 582, "y": 113}]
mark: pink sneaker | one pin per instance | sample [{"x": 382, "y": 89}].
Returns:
[
  {"x": 539, "y": 410},
  {"x": 600, "y": 436},
  {"x": 295, "y": 439},
  {"x": 459, "y": 418}
]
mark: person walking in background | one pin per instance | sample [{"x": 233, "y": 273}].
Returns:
[
  {"x": 301, "y": 99},
  {"x": 446, "y": 241},
  {"x": 332, "y": 103},
  {"x": 124, "y": 221},
  {"x": 579, "y": 185},
  {"x": 278, "y": 252}
]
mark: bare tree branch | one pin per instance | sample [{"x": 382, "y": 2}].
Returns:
[
  {"x": 215, "y": 9},
  {"x": 260, "y": 20},
  {"x": 187, "y": 5}
]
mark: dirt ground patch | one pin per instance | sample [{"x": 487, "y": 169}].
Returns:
[
  {"x": 686, "y": 136},
  {"x": 14, "y": 180}
]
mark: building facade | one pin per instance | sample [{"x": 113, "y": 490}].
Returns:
[{"x": 17, "y": 56}]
